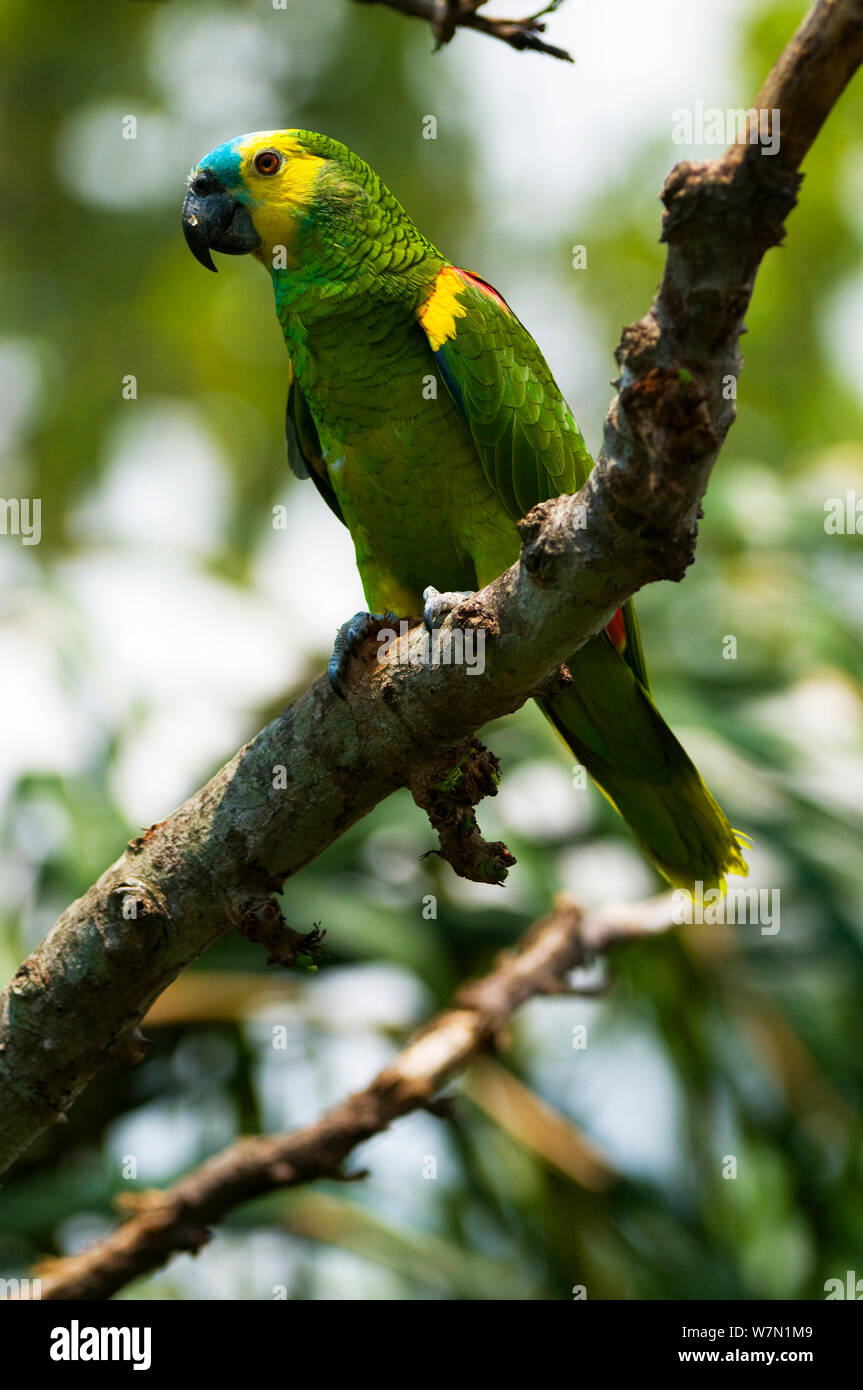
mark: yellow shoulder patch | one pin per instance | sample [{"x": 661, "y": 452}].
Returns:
[{"x": 443, "y": 306}]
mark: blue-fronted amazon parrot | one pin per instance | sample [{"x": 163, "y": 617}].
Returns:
[{"x": 431, "y": 484}]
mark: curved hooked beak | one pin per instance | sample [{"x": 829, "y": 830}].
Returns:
[{"x": 214, "y": 221}]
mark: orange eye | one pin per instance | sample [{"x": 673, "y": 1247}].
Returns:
[{"x": 268, "y": 162}]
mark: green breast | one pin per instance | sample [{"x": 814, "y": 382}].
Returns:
[{"x": 399, "y": 455}]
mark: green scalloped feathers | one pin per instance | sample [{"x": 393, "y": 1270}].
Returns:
[
  {"x": 431, "y": 483},
  {"x": 531, "y": 449}
]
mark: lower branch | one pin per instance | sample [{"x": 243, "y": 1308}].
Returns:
[{"x": 179, "y": 1218}]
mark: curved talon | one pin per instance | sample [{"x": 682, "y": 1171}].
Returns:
[
  {"x": 349, "y": 639},
  {"x": 438, "y": 605}
]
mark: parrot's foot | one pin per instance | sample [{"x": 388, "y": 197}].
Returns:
[
  {"x": 349, "y": 639},
  {"x": 438, "y": 605}
]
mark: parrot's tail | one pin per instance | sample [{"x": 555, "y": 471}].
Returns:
[{"x": 610, "y": 722}]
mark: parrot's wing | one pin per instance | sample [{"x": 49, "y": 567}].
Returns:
[
  {"x": 529, "y": 444},
  {"x": 296, "y": 450},
  {"x": 527, "y": 440},
  {"x": 304, "y": 448}
]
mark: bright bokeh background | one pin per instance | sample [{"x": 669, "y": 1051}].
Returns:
[{"x": 162, "y": 619}]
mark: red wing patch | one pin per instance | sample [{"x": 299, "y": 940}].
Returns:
[
  {"x": 484, "y": 287},
  {"x": 616, "y": 630}
]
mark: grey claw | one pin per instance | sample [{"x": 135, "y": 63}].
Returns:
[
  {"x": 438, "y": 605},
  {"x": 349, "y": 639}
]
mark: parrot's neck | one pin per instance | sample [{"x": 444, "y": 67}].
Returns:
[
  {"x": 331, "y": 264},
  {"x": 346, "y": 288}
]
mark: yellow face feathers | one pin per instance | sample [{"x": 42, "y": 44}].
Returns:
[
  {"x": 287, "y": 182},
  {"x": 278, "y": 175}
]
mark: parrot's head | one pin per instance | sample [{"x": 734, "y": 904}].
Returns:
[
  {"x": 248, "y": 194},
  {"x": 288, "y": 192}
]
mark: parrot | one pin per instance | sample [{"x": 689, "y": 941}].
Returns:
[{"x": 431, "y": 484}]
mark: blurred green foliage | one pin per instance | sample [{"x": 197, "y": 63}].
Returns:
[{"x": 709, "y": 1047}]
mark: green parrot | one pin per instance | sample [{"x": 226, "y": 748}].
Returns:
[{"x": 431, "y": 483}]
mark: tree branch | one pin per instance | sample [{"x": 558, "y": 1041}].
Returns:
[
  {"x": 447, "y": 16},
  {"x": 178, "y": 1219},
  {"x": 216, "y": 862}
]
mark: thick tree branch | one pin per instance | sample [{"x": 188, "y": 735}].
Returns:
[
  {"x": 179, "y": 1218},
  {"x": 216, "y": 862},
  {"x": 447, "y": 16}
]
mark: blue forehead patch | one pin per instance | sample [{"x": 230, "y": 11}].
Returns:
[{"x": 224, "y": 161}]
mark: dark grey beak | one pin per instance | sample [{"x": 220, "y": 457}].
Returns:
[{"x": 214, "y": 221}]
